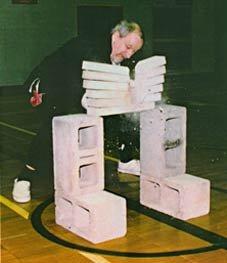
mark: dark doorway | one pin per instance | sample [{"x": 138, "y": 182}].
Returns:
[{"x": 96, "y": 22}]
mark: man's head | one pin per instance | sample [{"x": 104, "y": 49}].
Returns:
[{"x": 126, "y": 40}]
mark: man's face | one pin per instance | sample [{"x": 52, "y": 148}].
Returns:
[{"x": 124, "y": 47}]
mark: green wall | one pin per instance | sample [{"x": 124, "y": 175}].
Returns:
[
  {"x": 29, "y": 32},
  {"x": 221, "y": 44},
  {"x": 141, "y": 12},
  {"x": 203, "y": 18}
]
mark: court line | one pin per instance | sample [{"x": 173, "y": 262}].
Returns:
[
  {"x": 110, "y": 158},
  {"x": 93, "y": 257},
  {"x": 13, "y": 206},
  {"x": 13, "y": 236},
  {"x": 179, "y": 224},
  {"x": 22, "y": 212},
  {"x": 17, "y": 128},
  {"x": 43, "y": 231}
]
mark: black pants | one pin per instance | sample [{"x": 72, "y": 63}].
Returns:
[
  {"x": 40, "y": 153},
  {"x": 122, "y": 133}
]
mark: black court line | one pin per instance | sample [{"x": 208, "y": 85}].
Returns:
[
  {"x": 217, "y": 241},
  {"x": 184, "y": 226}
]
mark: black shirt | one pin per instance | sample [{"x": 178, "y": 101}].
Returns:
[{"x": 60, "y": 73}]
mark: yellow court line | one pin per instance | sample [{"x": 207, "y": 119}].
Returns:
[
  {"x": 13, "y": 206},
  {"x": 22, "y": 212},
  {"x": 107, "y": 157},
  {"x": 93, "y": 257}
]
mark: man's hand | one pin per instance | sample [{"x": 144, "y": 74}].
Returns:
[
  {"x": 84, "y": 101},
  {"x": 36, "y": 99},
  {"x": 132, "y": 83}
]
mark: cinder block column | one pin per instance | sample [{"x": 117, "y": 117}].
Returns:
[
  {"x": 81, "y": 204},
  {"x": 78, "y": 154},
  {"x": 163, "y": 141}
]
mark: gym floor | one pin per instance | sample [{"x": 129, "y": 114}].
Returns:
[{"x": 29, "y": 232}]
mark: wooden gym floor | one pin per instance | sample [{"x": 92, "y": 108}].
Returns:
[{"x": 29, "y": 232}]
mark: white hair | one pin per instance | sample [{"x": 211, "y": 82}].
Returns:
[{"x": 125, "y": 27}]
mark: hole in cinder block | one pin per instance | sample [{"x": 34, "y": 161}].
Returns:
[
  {"x": 63, "y": 212},
  {"x": 87, "y": 137},
  {"x": 173, "y": 130},
  {"x": 170, "y": 199},
  {"x": 88, "y": 175},
  {"x": 173, "y": 142},
  {"x": 81, "y": 217},
  {"x": 151, "y": 191},
  {"x": 173, "y": 158}
]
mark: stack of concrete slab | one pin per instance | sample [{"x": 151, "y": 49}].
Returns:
[
  {"x": 164, "y": 185},
  {"x": 149, "y": 79},
  {"x": 109, "y": 89},
  {"x": 80, "y": 199}
]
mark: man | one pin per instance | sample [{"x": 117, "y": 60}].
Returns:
[
  {"x": 126, "y": 41},
  {"x": 57, "y": 90}
]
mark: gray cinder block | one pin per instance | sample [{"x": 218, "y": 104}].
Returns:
[
  {"x": 97, "y": 217},
  {"x": 78, "y": 154},
  {"x": 184, "y": 197},
  {"x": 163, "y": 141}
]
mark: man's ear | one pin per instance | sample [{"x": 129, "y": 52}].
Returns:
[{"x": 115, "y": 36}]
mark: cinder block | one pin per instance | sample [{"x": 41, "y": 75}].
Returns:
[
  {"x": 163, "y": 141},
  {"x": 104, "y": 67},
  {"x": 150, "y": 192},
  {"x": 78, "y": 154},
  {"x": 97, "y": 217},
  {"x": 190, "y": 195},
  {"x": 183, "y": 196}
]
